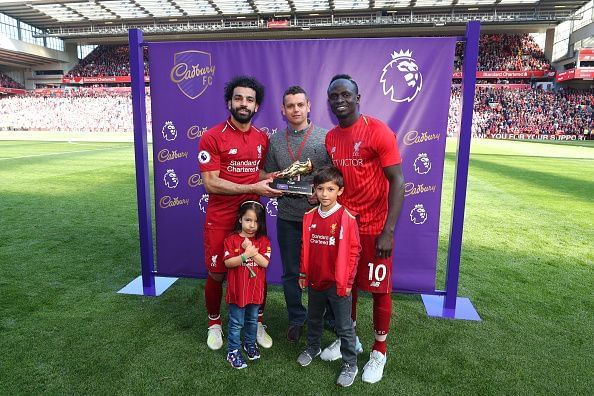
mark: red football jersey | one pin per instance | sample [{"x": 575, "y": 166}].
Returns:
[
  {"x": 238, "y": 156},
  {"x": 241, "y": 289},
  {"x": 324, "y": 238},
  {"x": 361, "y": 151}
]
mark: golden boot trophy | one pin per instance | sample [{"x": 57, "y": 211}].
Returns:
[{"x": 289, "y": 180}]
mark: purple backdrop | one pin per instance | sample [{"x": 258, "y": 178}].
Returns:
[{"x": 403, "y": 81}]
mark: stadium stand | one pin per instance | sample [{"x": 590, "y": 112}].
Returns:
[
  {"x": 497, "y": 52},
  {"x": 8, "y": 82},
  {"x": 106, "y": 60},
  {"x": 84, "y": 110},
  {"x": 507, "y": 52},
  {"x": 528, "y": 111},
  {"x": 518, "y": 109}
]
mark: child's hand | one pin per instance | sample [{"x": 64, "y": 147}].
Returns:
[
  {"x": 302, "y": 283},
  {"x": 251, "y": 251},
  {"x": 348, "y": 291},
  {"x": 246, "y": 242}
]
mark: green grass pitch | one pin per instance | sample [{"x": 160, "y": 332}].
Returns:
[{"x": 68, "y": 242}]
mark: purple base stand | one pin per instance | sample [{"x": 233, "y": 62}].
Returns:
[
  {"x": 450, "y": 305},
  {"x": 135, "y": 287},
  {"x": 435, "y": 307}
]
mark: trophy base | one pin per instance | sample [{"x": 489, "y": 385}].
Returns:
[{"x": 292, "y": 186}]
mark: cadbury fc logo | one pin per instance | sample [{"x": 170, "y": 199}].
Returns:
[{"x": 193, "y": 72}]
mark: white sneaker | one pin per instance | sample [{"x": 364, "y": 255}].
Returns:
[
  {"x": 332, "y": 351},
  {"x": 373, "y": 371},
  {"x": 215, "y": 337},
  {"x": 262, "y": 337}
]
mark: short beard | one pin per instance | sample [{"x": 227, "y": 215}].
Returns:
[{"x": 244, "y": 119}]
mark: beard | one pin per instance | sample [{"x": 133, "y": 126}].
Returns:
[{"x": 243, "y": 118}]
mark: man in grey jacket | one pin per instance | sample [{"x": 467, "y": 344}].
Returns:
[{"x": 300, "y": 140}]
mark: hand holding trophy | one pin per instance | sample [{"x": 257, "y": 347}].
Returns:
[{"x": 289, "y": 180}]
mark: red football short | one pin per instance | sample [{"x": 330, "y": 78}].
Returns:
[
  {"x": 213, "y": 249},
  {"x": 373, "y": 274}
]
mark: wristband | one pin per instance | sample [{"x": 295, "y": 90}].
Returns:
[{"x": 243, "y": 259}]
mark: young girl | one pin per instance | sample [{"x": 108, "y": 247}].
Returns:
[{"x": 247, "y": 252}]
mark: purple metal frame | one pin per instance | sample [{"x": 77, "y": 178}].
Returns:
[
  {"x": 147, "y": 284},
  {"x": 441, "y": 304},
  {"x": 450, "y": 305}
]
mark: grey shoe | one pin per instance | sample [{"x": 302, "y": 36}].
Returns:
[
  {"x": 347, "y": 375},
  {"x": 307, "y": 356}
]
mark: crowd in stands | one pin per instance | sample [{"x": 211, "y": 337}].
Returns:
[
  {"x": 508, "y": 110},
  {"x": 497, "y": 52},
  {"x": 8, "y": 82},
  {"x": 507, "y": 52},
  {"x": 511, "y": 111},
  {"x": 106, "y": 60},
  {"x": 532, "y": 111},
  {"x": 85, "y": 110}
]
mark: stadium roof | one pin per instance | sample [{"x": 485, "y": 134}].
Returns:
[
  {"x": 108, "y": 21},
  {"x": 47, "y": 14}
]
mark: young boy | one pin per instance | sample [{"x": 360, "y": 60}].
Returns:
[{"x": 329, "y": 256}]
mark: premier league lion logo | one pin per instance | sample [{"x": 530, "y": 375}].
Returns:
[
  {"x": 401, "y": 77},
  {"x": 204, "y": 157},
  {"x": 422, "y": 164},
  {"x": 170, "y": 179},
  {"x": 272, "y": 207},
  {"x": 203, "y": 203},
  {"x": 418, "y": 215},
  {"x": 169, "y": 132}
]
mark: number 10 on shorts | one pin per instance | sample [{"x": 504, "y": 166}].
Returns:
[{"x": 377, "y": 272}]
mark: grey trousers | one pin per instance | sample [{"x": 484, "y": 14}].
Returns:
[{"x": 316, "y": 306}]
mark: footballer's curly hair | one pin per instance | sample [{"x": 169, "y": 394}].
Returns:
[
  {"x": 244, "y": 82},
  {"x": 344, "y": 77}
]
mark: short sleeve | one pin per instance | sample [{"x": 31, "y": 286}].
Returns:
[
  {"x": 208, "y": 155},
  {"x": 266, "y": 146},
  {"x": 327, "y": 143},
  {"x": 265, "y": 249},
  {"x": 228, "y": 248},
  {"x": 386, "y": 145}
]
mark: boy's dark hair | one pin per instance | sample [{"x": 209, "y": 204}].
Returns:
[
  {"x": 328, "y": 174},
  {"x": 294, "y": 90},
  {"x": 245, "y": 82},
  {"x": 345, "y": 77},
  {"x": 260, "y": 216}
]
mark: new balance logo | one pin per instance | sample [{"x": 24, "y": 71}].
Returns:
[
  {"x": 374, "y": 284},
  {"x": 233, "y": 151}
]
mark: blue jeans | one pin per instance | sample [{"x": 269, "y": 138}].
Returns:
[
  {"x": 289, "y": 242},
  {"x": 239, "y": 318}
]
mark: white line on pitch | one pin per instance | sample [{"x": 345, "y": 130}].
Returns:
[{"x": 65, "y": 152}]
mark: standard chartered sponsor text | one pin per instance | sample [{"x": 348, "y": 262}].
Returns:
[{"x": 244, "y": 166}]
